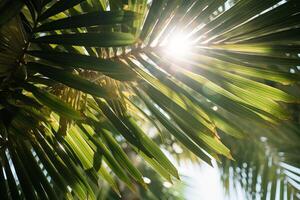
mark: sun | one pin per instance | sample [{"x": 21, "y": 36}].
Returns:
[{"x": 178, "y": 46}]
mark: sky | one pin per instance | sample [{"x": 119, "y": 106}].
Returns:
[{"x": 203, "y": 182}]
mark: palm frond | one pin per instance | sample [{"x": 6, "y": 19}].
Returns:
[
  {"x": 67, "y": 69},
  {"x": 265, "y": 169}
]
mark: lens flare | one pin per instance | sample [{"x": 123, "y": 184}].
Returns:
[{"x": 177, "y": 46}]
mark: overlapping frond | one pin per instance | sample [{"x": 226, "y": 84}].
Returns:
[
  {"x": 70, "y": 71},
  {"x": 265, "y": 170}
]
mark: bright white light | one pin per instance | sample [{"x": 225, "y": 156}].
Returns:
[
  {"x": 215, "y": 108},
  {"x": 177, "y": 46},
  {"x": 147, "y": 180},
  {"x": 177, "y": 148},
  {"x": 167, "y": 184},
  {"x": 69, "y": 188},
  {"x": 292, "y": 71}
]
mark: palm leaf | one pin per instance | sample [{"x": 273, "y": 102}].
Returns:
[{"x": 81, "y": 62}]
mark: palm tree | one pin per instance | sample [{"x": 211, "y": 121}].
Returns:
[
  {"x": 265, "y": 170},
  {"x": 79, "y": 78}
]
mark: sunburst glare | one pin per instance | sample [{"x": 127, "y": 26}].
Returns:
[{"x": 178, "y": 45}]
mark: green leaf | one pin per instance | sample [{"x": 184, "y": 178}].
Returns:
[
  {"x": 113, "y": 68},
  {"x": 53, "y": 102},
  {"x": 157, "y": 167},
  {"x": 10, "y": 179},
  {"x": 151, "y": 146},
  {"x": 108, "y": 178},
  {"x": 154, "y": 11},
  {"x": 89, "y": 19},
  {"x": 69, "y": 79},
  {"x": 121, "y": 157},
  {"x": 121, "y": 127},
  {"x": 9, "y": 9},
  {"x": 177, "y": 133},
  {"x": 22, "y": 173},
  {"x": 225, "y": 62},
  {"x": 104, "y": 39},
  {"x": 199, "y": 133},
  {"x": 34, "y": 170},
  {"x": 111, "y": 161},
  {"x": 58, "y": 7}
]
